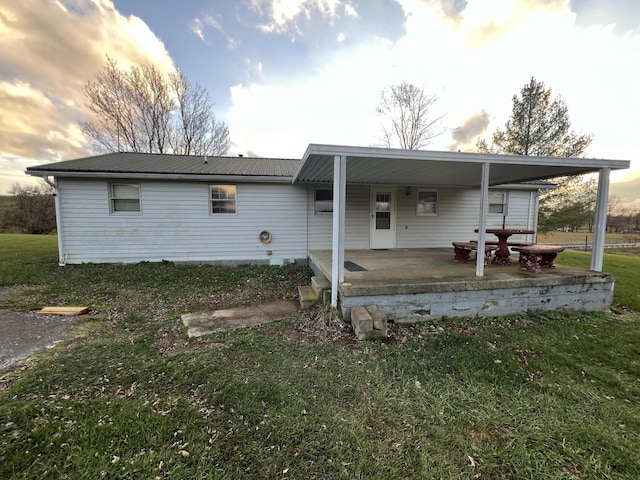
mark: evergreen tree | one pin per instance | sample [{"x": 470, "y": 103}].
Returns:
[{"x": 540, "y": 126}]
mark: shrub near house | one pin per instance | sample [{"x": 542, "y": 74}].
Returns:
[{"x": 30, "y": 209}]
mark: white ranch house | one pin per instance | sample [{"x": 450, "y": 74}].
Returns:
[{"x": 130, "y": 207}]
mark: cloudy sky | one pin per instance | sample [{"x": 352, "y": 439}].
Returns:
[{"x": 286, "y": 73}]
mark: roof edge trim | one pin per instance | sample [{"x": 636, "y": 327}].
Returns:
[
  {"x": 162, "y": 176},
  {"x": 396, "y": 153}
]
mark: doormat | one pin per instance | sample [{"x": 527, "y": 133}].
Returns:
[{"x": 353, "y": 267}]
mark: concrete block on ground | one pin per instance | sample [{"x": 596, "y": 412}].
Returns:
[
  {"x": 323, "y": 287},
  {"x": 369, "y": 323},
  {"x": 308, "y": 296},
  {"x": 326, "y": 297},
  {"x": 379, "y": 318},
  {"x": 320, "y": 282}
]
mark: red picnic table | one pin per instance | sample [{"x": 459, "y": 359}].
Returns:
[{"x": 502, "y": 253}]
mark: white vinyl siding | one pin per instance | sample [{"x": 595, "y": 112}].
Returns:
[
  {"x": 457, "y": 218},
  {"x": 356, "y": 219},
  {"x": 176, "y": 224}
]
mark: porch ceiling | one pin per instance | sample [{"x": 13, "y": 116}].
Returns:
[{"x": 420, "y": 167}]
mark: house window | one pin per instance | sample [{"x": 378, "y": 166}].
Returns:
[
  {"x": 498, "y": 203},
  {"x": 324, "y": 200},
  {"x": 427, "y": 203},
  {"x": 223, "y": 198},
  {"x": 125, "y": 197}
]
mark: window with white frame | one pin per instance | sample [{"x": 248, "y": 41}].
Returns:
[
  {"x": 427, "y": 203},
  {"x": 222, "y": 199},
  {"x": 124, "y": 197},
  {"x": 323, "y": 200},
  {"x": 498, "y": 203}
]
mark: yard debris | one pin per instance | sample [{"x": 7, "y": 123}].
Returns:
[{"x": 63, "y": 311}]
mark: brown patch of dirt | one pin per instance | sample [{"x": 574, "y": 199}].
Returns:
[
  {"x": 460, "y": 328},
  {"x": 168, "y": 340}
]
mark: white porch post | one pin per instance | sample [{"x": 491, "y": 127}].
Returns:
[
  {"x": 339, "y": 204},
  {"x": 600, "y": 224},
  {"x": 482, "y": 221}
]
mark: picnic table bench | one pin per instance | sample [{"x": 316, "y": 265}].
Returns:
[
  {"x": 534, "y": 257},
  {"x": 462, "y": 251}
]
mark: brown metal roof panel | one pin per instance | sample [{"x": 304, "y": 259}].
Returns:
[{"x": 175, "y": 164}]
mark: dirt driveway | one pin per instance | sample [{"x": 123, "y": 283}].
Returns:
[{"x": 24, "y": 333}]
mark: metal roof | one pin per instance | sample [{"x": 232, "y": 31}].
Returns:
[
  {"x": 184, "y": 166},
  {"x": 373, "y": 165},
  {"x": 368, "y": 165}
]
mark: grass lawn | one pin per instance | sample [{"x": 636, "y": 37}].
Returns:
[
  {"x": 550, "y": 396},
  {"x": 581, "y": 236}
]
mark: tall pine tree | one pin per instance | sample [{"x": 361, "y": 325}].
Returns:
[{"x": 540, "y": 126}]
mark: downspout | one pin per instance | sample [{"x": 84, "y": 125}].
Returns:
[{"x": 62, "y": 260}]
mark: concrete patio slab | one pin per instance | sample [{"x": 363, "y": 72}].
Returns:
[
  {"x": 427, "y": 284},
  {"x": 204, "y": 323}
]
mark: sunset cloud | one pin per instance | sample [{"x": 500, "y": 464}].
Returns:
[{"x": 48, "y": 53}]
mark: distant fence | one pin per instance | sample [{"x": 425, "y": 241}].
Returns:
[{"x": 587, "y": 246}]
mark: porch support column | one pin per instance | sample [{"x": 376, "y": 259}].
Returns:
[
  {"x": 482, "y": 221},
  {"x": 339, "y": 203},
  {"x": 600, "y": 224}
]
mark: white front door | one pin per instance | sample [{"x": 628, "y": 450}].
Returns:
[{"x": 383, "y": 217}]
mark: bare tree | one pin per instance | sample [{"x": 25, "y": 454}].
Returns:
[
  {"x": 406, "y": 117},
  {"x": 197, "y": 131},
  {"x": 622, "y": 219},
  {"x": 34, "y": 209},
  {"x": 142, "y": 110}
]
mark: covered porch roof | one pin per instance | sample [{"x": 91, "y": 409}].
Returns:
[{"x": 373, "y": 165}]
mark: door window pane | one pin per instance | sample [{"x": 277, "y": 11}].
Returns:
[
  {"x": 383, "y": 221},
  {"x": 383, "y": 202},
  {"x": 383, "y": 211}
]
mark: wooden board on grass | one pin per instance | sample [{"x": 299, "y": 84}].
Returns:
[{"x": 63, "y": 311}]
